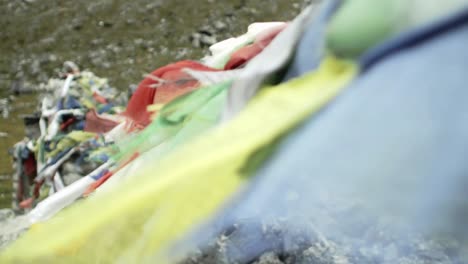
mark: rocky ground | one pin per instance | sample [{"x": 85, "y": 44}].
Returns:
[
  {"x": 123, "y": 40},
  {"x": 120, "y": 39},
  {"x": 372, "y": 241},
  {"x": 117, "y": 39},
  {"x": 11, "y": 227}
]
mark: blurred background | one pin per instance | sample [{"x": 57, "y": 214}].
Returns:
[{"x": 116, "y": 39}]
